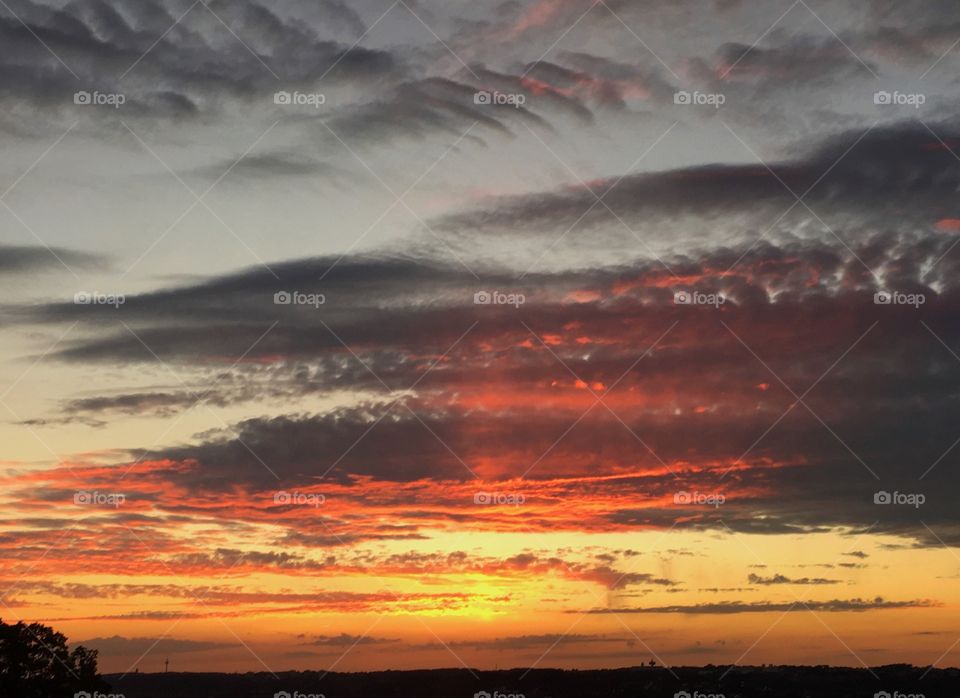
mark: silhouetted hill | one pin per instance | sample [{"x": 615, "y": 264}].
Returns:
[{"x": 640, "y": 682}]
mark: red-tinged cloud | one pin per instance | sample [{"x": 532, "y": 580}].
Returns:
[
  {"x": 948, "y": 225},
  {"x": 770, "y": 387},
  {"x": 598, "y": 410}
]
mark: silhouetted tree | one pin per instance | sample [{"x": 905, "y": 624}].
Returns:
[{"x": 35, "y": 662}]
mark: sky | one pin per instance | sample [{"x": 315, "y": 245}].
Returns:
[{"x": 372, "y": 335}]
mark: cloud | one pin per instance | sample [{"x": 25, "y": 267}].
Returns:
[
  {"x": 118, "y": 646},
  {"x": 610, "y": 83},
  {"x": 426, "y": 108},
  {"x": 23, "y": 259},
  {"x": 344, "y": 640},
  {"x": 521, "y": 642},
  {"x": 781, "y": 579},
  {"x": 736, "y": 607},
  {"x": 729, "y": 374},
  {"x": 854, "y": 182},
  {"x": 177, "y": 63},
  {"x": 794, "y": 63},
  {"x": 259, "y": 167}
]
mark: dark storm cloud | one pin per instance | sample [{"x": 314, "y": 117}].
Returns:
[
  {"x": 800, "y": 478},
  {"x": 886, "y": 408},
  {"x": 852, "y": 179},
  {"x": 789, "y": 65},
  {"x": 21, "y": 259},
  {"x": 167, "y": 67},
  {"x": 299, "y": 450}
]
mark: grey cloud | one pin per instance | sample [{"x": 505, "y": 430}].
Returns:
[
  {"x": 344, "y": 640},
  {"x": 167, "y": 67},
  {"x": 119, "y": 646},
  {"x": 425, "y": 108},
  {"x": 620, "y": 80},
  {"x": 21, "y": 259},
  {"x": 269, "y": 166},
  {"x": 853, "y": 181}
]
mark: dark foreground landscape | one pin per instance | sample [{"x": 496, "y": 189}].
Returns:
[{"x": 897, "y": 681}]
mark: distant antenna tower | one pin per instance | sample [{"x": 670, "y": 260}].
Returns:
[{"x": 166, "y": 665}]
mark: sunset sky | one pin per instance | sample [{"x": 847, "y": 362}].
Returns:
[{"x": 371, "y": 335}]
